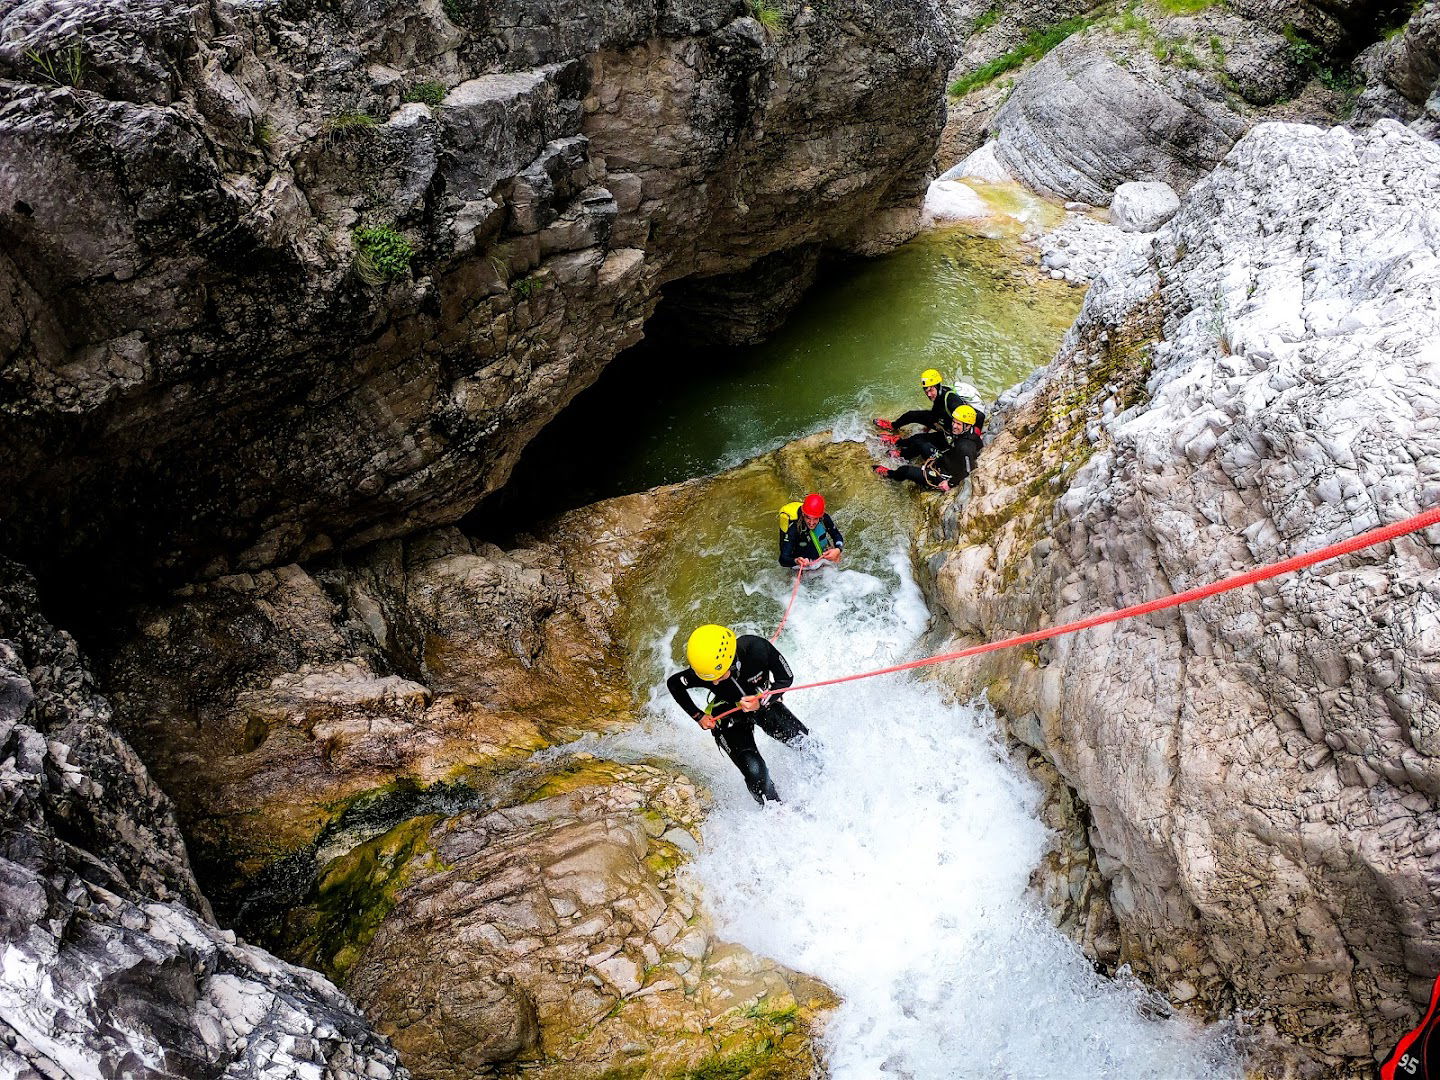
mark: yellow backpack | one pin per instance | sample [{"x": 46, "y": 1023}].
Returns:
[{"x": 788, "y": 514}]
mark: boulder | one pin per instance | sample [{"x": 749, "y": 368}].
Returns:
[
  {"x": 950, "y": 200},
  {"x": 1258, "y": 771},
  {"x": 1099, "y": 111},
  {"x": 982, "y": 164},
  {"x": 1143, "y": 207}
]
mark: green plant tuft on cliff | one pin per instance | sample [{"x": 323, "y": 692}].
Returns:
[
  {"x": 1184, "y": 7},
  {"x": 427, "y": 93},
  {"x": 1036, "y": 44},
  {"x": 382, "y": 254},
  {"x": 990, "y": 17},
  {"x": 61, "y": 67},
  {"x": 768, "y": 14},
  {"x": 526, "y": 287},
  {"x": 1313, "y": 60},
  {"x": 263, "y": 133}
]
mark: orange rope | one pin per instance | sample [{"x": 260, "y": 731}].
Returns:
[{"x": 1200, "y": 592}]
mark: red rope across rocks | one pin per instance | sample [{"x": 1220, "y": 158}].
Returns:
[{"x": 1286, "y": 566}]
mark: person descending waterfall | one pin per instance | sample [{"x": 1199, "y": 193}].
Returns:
[
  {"x": 936, "y": 419},
  {"x": 808, "y": 535},
  {"x": 949, "y": 468},
  {"x": 736, "y": 670}
]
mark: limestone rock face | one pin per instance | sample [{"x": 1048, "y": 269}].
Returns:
[
  {"x": 1141, "y": 207},
  {"x": 263, "y": 702},
  {"x": 112, "y": 966},
  {"x": 280, "y": 279},
  {"x": 1403, "y": 74},
  {"x": 1079, "y": 124},
  {"x": 568, "y": 939},
  {"x": 1258, "y": 771}
]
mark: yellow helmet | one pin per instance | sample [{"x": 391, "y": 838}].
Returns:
[
  {"x": 931, "y": 377},
  {"x": 965, "y": 414},
  {"x": 711, "y": 651}
]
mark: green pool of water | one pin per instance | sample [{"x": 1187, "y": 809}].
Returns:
[{"x": 853, "y": 349}]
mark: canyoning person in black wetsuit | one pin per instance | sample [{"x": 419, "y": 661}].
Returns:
[
  {"x": 950, "y": 468},
  {"x": 935, "y": 441},
  {"x": 735, "y": 670},
  {"x": 936, "y": 419},
  {"x": 811, "y": 536}
]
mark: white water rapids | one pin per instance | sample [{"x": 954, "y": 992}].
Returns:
[{"x": 897, "y": 869}]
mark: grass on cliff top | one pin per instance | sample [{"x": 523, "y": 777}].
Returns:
[
  {"x": 1184, "y": 7},
  {"x": 1036, "y": 44}
]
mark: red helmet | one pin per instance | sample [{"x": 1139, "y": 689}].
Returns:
[{"x": 813, "y": 506}]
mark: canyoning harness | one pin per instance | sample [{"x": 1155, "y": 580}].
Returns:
[
  {"x": 937, "y": 416},
  {"x": 758, "y": 669}
]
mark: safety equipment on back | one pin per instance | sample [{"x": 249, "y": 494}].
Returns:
[
  {"x": 789, "y": 514},
  {"x": 711, "y": 651},
  {"x": 967, "y": 391},
  {"x": 930, "y": 377},
  {"x": 813, "y": 506}
]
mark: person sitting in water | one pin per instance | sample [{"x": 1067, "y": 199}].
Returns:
[
  {"x": 931, "y": 443},
  {"x": 950, "y": 468},
  {"x": 735, "y": 670},
  {"x": 943, "y": 401},
  {"x": 810, "y": 535}
]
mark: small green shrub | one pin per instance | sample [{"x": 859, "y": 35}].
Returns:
[
  {"x": 1184, "y": 7},
  {"x": 264, "y": 133},
  {"x": 1036, "y": 44},
  {"x": 768, "y": 14},
  {"x": 427, "y": 93},
  {"x": 382, "y": 254},
  {"x": 62, "y": 67},
  {"x": 987, "y": 20},
  {"x": 1313, "y": 60},
  {"x": 526, "y": 287}
]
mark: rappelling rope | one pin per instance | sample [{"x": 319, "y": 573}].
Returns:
[
  {"x": 794, "y": 589},
  {"x": 1249, "y": 577}
]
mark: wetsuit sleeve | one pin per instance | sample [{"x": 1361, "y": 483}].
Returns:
[
  {"x": 679, "y": 689},
  {"x": 834, "y": 532},
  {"x": 914, "y": 416},
  {"x": 787, "y": 551},
  {"x": 780, "y": 673}
]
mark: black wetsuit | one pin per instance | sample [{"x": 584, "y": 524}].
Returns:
[
  {"x": 758, "y": 666},
  {"x": 797, "y": 542},
  {"x": 953, "y": 465},
  {"x": 929, "y": 444},
  {"x": 937, "y": 416}
]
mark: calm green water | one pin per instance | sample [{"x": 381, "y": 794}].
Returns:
[{"x": 854, "y": 349}]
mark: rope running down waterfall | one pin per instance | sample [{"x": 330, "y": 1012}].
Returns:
[{"x": 1286, "y": 566}]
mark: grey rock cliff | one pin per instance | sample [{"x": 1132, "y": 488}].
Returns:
[
  {"x": 209, "y": 364},
  {"x": 1258, "y": 772},
  {"x": 112, "y": 965}
]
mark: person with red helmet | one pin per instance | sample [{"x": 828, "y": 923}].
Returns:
[{"x": 811, "y": 537}]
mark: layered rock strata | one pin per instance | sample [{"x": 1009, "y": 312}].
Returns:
[
  {"x": 557, "y": 932},
  {"x": 111, "y": 964},
  {"x": 281, "y": 279},
  {"x": 1255, "y": 774}
]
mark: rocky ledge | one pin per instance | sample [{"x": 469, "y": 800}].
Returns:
[
  {"x": 282, "y": 278},
  {"x": 1251, "y": 802},
  {"x": 112, "y": 966}
]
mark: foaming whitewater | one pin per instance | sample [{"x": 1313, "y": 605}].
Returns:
[{"x": 897, "y": 869}]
